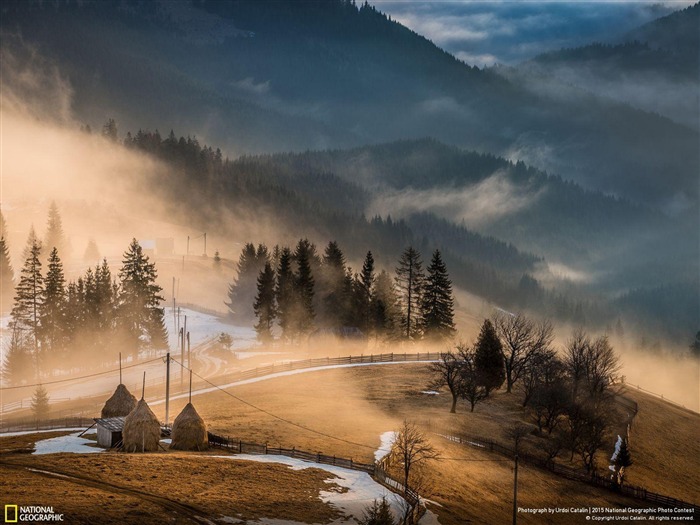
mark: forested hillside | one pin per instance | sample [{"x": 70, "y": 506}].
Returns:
[{"x": 239, "y": 74}]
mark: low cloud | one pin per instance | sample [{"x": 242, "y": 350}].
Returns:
[
  {"x": 477, "y": 205},
  {"x": 516, "y": 31}
]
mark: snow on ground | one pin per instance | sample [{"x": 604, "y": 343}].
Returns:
[
  {"x": 70, "y": 443},
  {"x": 27, "y": 432},
  {"x": 248, "y": 355},
  {"x": 430, "y": 393},
  {"x": 202, "y": 326},
  {"x": 274, "y": 376},
  {"x": 429, "y": 518},
  {"x": 361, "y": 492},
  {"x": 387, "y": 440},
  {"x": 618, "y": 444}
]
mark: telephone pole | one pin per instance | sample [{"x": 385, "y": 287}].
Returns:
[
  {"x": 167, "y": 387},
  {"x": 515, "y": 492}
]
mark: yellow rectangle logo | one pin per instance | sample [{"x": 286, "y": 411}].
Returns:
[{"x": 8, "y": 509}]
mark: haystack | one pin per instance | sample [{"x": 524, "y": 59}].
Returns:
[
  {"x": 120, "y": 404},
  {"x": 189, "y": 431},
  {"x": 141, "y": 430}
]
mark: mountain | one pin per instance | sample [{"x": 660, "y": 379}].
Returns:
[
  {"x": 269, "y": 76},
  {"x": 655, "y": 67}
]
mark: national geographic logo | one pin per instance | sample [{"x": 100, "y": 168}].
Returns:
[{"x": 32, "y": 514}]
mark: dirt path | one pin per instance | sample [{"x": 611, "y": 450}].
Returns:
[{"x": 189, "y": 512}]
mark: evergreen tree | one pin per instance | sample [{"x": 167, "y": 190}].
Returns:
[
  {"x": 7, "y": 276},
  {"x": 304, "y": 287},
  {"x": 438, "y": 302},
  {"x": 17, "y": 366},
  {"x": 55, "y": 238},
  {"x": 3, "y": 226},
  {"x": 284, "y": 293},
  {"x": 139, "y": 302},
  {"x": 409, "y": 283},
  {"x": 40, "y": 404},
  {"x": 623, "y": 460},
  {"x": 32, "y": 239},
  {"x": 28, "y": 300},
  {"x": 365, "y": 289},
  {"x": 53, "y": 309},
  {"x": 241, "y": 293},
  {"x": 379, "y": 513},
  {"x": 333, "y": 287},
  {"x": 488, "y": 358},
  {"x": 265, "y": 307},
  {"x": 384, "y": 308},
  {"x": 92, "y": 254}
]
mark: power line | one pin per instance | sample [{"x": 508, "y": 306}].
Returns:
[
  {"x": 81, "y": 377},
  {"x": 303, "y": 427}
]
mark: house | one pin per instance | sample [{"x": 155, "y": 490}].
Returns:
[{"x": 109, "y": 431}]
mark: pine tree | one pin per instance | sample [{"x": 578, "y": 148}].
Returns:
[
  {"x": 7, "y": 277},
  {"x": 53, "y": 309},
  {"x": 55, "y": 238},
  {"x": 40, "y": 404},
  {"x": 333, "y": 287},
  {"x": 139, "y": 301},
  {"x": 489, "y": 358},
  {"x": 304, "y": 287},
  {"x": 409, "y": 282},
  {"x": 284, "y": 293},
  {"x": 265, "y": 307},
  {"x": 28, "y": 300},
  {"x": 92, "y": 253},
  {"x": 379, "y": 513},
  {"x": 17, "y": 366},
  {"x": 438, "y": 302},
  {"x": 32, "y": 239},
  {"x": 365, "y": 289},
  {"x": 385, "y": 313},
  {"x": 623, "y": 461},
  {"x": 241, "y": 292}
]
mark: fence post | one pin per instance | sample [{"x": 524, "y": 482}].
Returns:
[
  {"x": 265, "y": 448},
  {"x": 318, "y": 457},
  {"x": 240, "y": 446}
]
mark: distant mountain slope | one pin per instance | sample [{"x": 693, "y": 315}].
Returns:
[
  {"x": 287, "y": 75},
  {"x": 655, "y": 67}
]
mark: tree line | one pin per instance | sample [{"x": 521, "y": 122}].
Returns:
[
  {"x": 569, "y": 394},
  {"x": 297, "y": 292},
  {"x": 55, "y": 323}
]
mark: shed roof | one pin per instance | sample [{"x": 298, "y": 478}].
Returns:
[{"x": 114, "y": 424}]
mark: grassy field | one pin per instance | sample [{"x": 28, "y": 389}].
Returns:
[{"x": 343, "y": 412}]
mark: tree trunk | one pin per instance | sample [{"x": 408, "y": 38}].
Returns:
[{"x": 453, "y": 410}]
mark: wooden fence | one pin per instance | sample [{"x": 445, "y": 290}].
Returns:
[
  {"x": 378, "y": 471},
  {"x": 565, "y": 471},
  {"x": 27, "y": 424}
]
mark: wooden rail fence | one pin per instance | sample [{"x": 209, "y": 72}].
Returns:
[{"x": 565, "y": 471}]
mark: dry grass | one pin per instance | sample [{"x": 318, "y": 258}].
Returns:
[
  {"x": 80, "y": 505},
  {"x": 357, "y": 405},
  {"x": 665, "y": 448},
  {"x": 215, "y": 486}
]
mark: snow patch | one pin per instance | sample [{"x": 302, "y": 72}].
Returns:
[
  {"x": 66, "y": 444},
  {"x": 618, "y": 444},
  {"x": 387, "y": 440},
  {"x": 361, "y": 491},
  {"x": 429, "y": 518},
  {"x": 430, "y": 393},
  {"x": 27, "y": 432}
]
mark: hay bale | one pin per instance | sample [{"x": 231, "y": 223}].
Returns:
[
  {"x": 141, "y": 430},
  {"x": 189, "y": 431},
  {"x": 120, "y": 404}
]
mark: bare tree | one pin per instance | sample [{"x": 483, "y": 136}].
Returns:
[
  {"x": 542, "y": 370},
  {"x": 448, "y": 373},
  {"x": 592, "y": 366},
  {"x": 411, "y": 449},
  {"x": 471, "y": 387},
  {"x": 517, "y": 433},
  {"x": 522, "y": 338}
]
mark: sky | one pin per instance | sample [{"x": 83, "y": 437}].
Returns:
[{"x": 508, "y": 32}]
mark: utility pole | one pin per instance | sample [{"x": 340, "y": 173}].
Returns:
[
  {"x": 205, "y": 244},
  {"x": 515, "y": 492},
  {"x": 188, "y": 245},
  {"x": 189, "y": 355},
  {"x": 167, "y": 387},
  {"x": 182, "y": 354}
]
